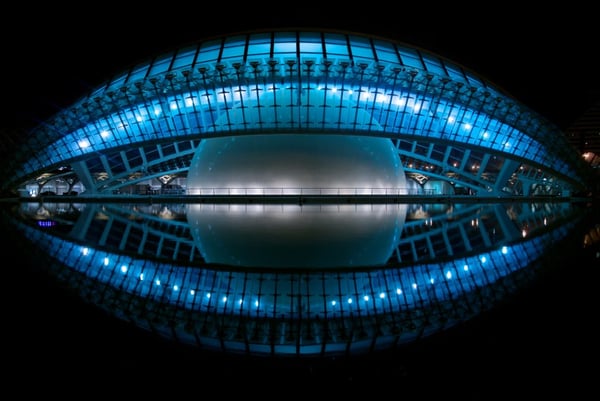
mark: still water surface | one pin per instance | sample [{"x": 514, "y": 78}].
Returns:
[{"x": 313, "y": 280}]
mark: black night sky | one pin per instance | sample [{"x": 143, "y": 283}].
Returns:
[{"x": 547, "y": 59}]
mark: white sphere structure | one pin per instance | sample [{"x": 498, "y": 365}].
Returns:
[{"x": 296, "y": 164}]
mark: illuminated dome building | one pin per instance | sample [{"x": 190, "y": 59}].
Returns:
[
  {"x": 450, "y": 127},
  {"x": 301, "y": 113}
]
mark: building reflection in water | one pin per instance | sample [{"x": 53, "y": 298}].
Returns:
[
  {"x": 293, "y": 236},
  {"x": 294, "y": 279}
]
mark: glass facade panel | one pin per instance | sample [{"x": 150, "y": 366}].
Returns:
[
  {"x": 234, "y": 49},
  {"x": 361, "y": 49},
  {"x": 434, "y": 65},
  {"x": 209, "y": 52},
  {"x": 284, "y": 44},
  {"x": 410, "y": 57},
  {"x": 311, "y": 48},
  {"x": 184, "y": 58},
  {"x": 138, "y": 73},
  {"x": 259, "y": 45},
  {"x": 337, "y": 50},
  {"x": 161, "y": 65},
  {"x": 386, "y": 52},
  {"x": 455, "y": 72}
]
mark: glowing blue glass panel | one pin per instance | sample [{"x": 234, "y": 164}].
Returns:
[
  {"x": 185, "y": 58},
  {"x": 262, "y": 49},
  {"x": 314, "y": 48},
  {"x": 336, "y": 46},
  {"x": 410, "y": 57},
  {"x": 454, "y": 72},
  {"x": 233, "y": 50},
  {"x": 385, "y": 52},
  {"x": 118, "y": 82},
  {"x": 161, "y": 65},
  {"x": 433, "y": 64},
  {"x": 259, "y": 44},
  {"x": 361, "y": 48},
  {"x": 337, "y": 50},
  {"x": 285, "y": 43},
  {"x": 209, "y": 52},
  {"x": 138, "y": 73}
]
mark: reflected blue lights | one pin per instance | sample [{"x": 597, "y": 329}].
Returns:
[{"x": 191, "y": 288}]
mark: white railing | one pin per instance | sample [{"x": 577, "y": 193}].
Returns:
[{"x": 275, "y": 191}]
